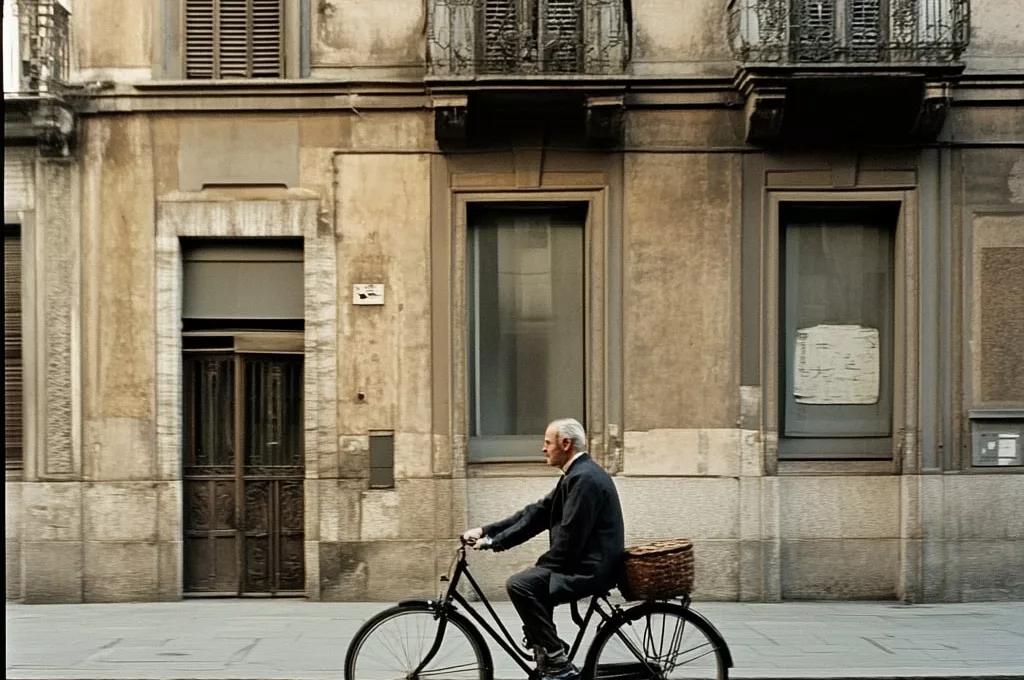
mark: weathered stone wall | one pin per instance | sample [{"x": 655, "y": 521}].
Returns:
[
  {"x": 49, "y": 492},
  {"x": 973, "y": 529},
  {"x": 350, "y": 532},
  {"x": 128, "y": 507},
  {"x": 130, "y": 57},
  {"x": 373, "y": 541},
  {"x": 680, "y": 38},
  {"x": 368, "y": 38},
  {"x": 681, "y": 408},
  {"x": 12, "y": 539},
  {"x": 997, "y": 43},
  {"x": 387, "y": 38},
  {"x": 973, "y": 545}
]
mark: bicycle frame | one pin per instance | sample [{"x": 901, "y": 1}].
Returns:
[{"x": 505, "y": 640}]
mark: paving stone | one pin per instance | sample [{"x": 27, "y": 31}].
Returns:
[{"x": 298, "y": 640}]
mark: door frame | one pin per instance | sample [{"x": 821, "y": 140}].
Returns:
[{"x": 291, "y": 212}]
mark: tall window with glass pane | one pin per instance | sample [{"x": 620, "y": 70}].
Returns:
[
  {"x": 526, "y": 325},
  {"x": 837, "y": 326}
]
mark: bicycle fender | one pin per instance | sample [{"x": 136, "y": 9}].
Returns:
[
  {"x": 433, "y": 605},
  {"x": 715, "y": 636}
]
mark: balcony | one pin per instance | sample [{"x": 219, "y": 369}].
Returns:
[
  {"x": 869, "y": 70},
  {"x": 526, "y": 38},
  {"x": 37, "y": 66},
  {"x": 527, "y": 55}
]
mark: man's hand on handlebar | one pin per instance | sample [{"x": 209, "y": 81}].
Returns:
[{"x": 475, "y": 539}]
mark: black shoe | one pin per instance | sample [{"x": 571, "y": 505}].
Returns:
[{"x": 566, "y": 672}]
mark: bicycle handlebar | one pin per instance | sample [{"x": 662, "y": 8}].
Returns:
[{"x": 469, "y": 544}]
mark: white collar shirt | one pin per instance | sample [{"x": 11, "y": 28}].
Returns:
[{"x": 565, "y": 468}]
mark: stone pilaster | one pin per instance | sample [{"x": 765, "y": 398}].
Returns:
[
  {"x": 51, "y": 495},
  {"x": 58, "y": 451}
]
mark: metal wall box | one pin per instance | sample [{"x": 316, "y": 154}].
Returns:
[
  {"x": 997, "y": 439},
  {"x": 382, "y": 460}
]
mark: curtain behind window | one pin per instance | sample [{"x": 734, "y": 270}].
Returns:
[{"x": 526, "y": 306}]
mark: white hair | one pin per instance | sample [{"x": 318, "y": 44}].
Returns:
[{"x": 570, "y": 428}]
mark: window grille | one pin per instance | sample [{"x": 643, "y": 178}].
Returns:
[
  {"x": 44, "y": 44},
  {"x": 541, "y": 35},
  {"x": 830, "y": 31},
  {"x": 527, "y": 37},
  {"x": 826, "y": 27}
]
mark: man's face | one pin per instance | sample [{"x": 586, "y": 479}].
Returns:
[{"x": 557, "y": 451}]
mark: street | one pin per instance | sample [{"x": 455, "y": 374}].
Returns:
[{"x": 298, "y": 640}]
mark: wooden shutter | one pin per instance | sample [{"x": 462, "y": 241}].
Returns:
[
  {"x": 562, "y": 35},
  {"x": 864, "y": 29},
  {"x": 13, "y": 380},
  {"x": 500, "y": 34},
  {"x": 234, "y": 39},
  {"x": 200, "y": 38},
  {"x": 814, "y": 29},
  {"x": 267, "y": 45}
]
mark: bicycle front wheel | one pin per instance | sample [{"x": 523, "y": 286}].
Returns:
[
  {"x": 413, "y": 641},
  {"x": 656, "y": 641}
]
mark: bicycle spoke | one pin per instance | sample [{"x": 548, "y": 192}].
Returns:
[
  {"x": 399, "y": 643},
  {"x": 659, "y": 642},
  {"x": 387, "y": 642},
  {"x": 707, "y": 647},
  {"x": 637, "y": 653},
  {"x": 447, "y": 669}
]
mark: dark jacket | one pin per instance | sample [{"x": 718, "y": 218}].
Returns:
[{"x": 586, "y": 541}]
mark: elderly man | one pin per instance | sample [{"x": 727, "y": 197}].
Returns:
[{"x": 584, "y": 518}]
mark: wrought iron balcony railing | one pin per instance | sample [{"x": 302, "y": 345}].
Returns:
[
  {"x": 849, "y": 31},
  {"x": 527, "y": 37},
  {"x": 44, "y": 48}
]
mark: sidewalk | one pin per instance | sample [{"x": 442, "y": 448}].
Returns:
[{"x": 299, "y": 640}]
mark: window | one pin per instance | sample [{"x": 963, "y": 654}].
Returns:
[
  {"x": 828, "y": 30},
  {"x": 526, "y": 325},
  {"x": 836, "y": 326},
  {"x": 234, "y": 39},
  {"x": 13, "y": 375},
  {"x": 542, "y": 35}
]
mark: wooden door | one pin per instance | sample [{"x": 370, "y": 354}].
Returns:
[{"x": 243, "y": 475}]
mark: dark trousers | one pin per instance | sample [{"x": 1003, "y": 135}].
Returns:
[{"x": 529, "y": 592}]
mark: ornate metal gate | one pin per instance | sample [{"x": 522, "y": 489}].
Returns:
[{"x": 243, "y": 476}]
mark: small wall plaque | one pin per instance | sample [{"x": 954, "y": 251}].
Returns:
[
  {"x": 368, "y": 293},
  {"x": 998, "y": 443}
]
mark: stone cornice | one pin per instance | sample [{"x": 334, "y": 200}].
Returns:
[{"x": 408, "y": 94}]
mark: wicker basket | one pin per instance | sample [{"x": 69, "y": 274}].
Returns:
[{"x": 657, "y": 571}]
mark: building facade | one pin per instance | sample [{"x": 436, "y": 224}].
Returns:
[{"x": 292, "y": 289}]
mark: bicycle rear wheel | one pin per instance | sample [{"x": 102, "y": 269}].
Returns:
[
  {"x": 412, "y": 641},
  {"x": 656, "y": 641}
]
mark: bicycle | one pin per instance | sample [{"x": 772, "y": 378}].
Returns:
[{"x": 432, "y": 639}]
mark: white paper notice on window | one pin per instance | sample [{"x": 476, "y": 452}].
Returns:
[
  {"x": 836, "y": 364},
  {"x": 1007, "y": 451}
]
